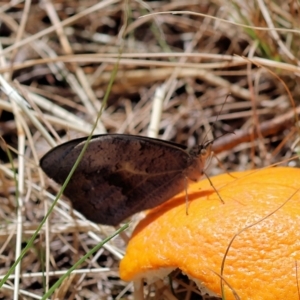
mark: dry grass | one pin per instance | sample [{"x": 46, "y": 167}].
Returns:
[{"x": 59, "y": 56}]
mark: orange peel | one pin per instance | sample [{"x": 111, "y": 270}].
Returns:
[{"x": 262, "y": 208}]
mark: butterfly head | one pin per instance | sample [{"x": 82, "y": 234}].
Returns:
[
  {"x": 206, "y": 150},
  {"x": 202, "y": 151}
]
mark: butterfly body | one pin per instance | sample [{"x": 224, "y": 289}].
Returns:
[{"x": 120, "y": 175}]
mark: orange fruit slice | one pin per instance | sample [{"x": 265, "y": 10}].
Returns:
[{"x": 263, "y": 260}]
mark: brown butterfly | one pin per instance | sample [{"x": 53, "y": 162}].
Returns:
[{"x": 120, "y": 175}]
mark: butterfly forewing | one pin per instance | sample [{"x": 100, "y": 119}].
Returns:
[{"x": 120, "y": 175}]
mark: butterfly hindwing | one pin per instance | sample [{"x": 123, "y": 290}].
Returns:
[{"x": 118, "y": 175}]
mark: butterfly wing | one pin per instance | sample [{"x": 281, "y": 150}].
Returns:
[{"x": 118, "y": 175}]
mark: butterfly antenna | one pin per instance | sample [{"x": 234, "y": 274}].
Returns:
[{"x": 212, "y": 125}]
